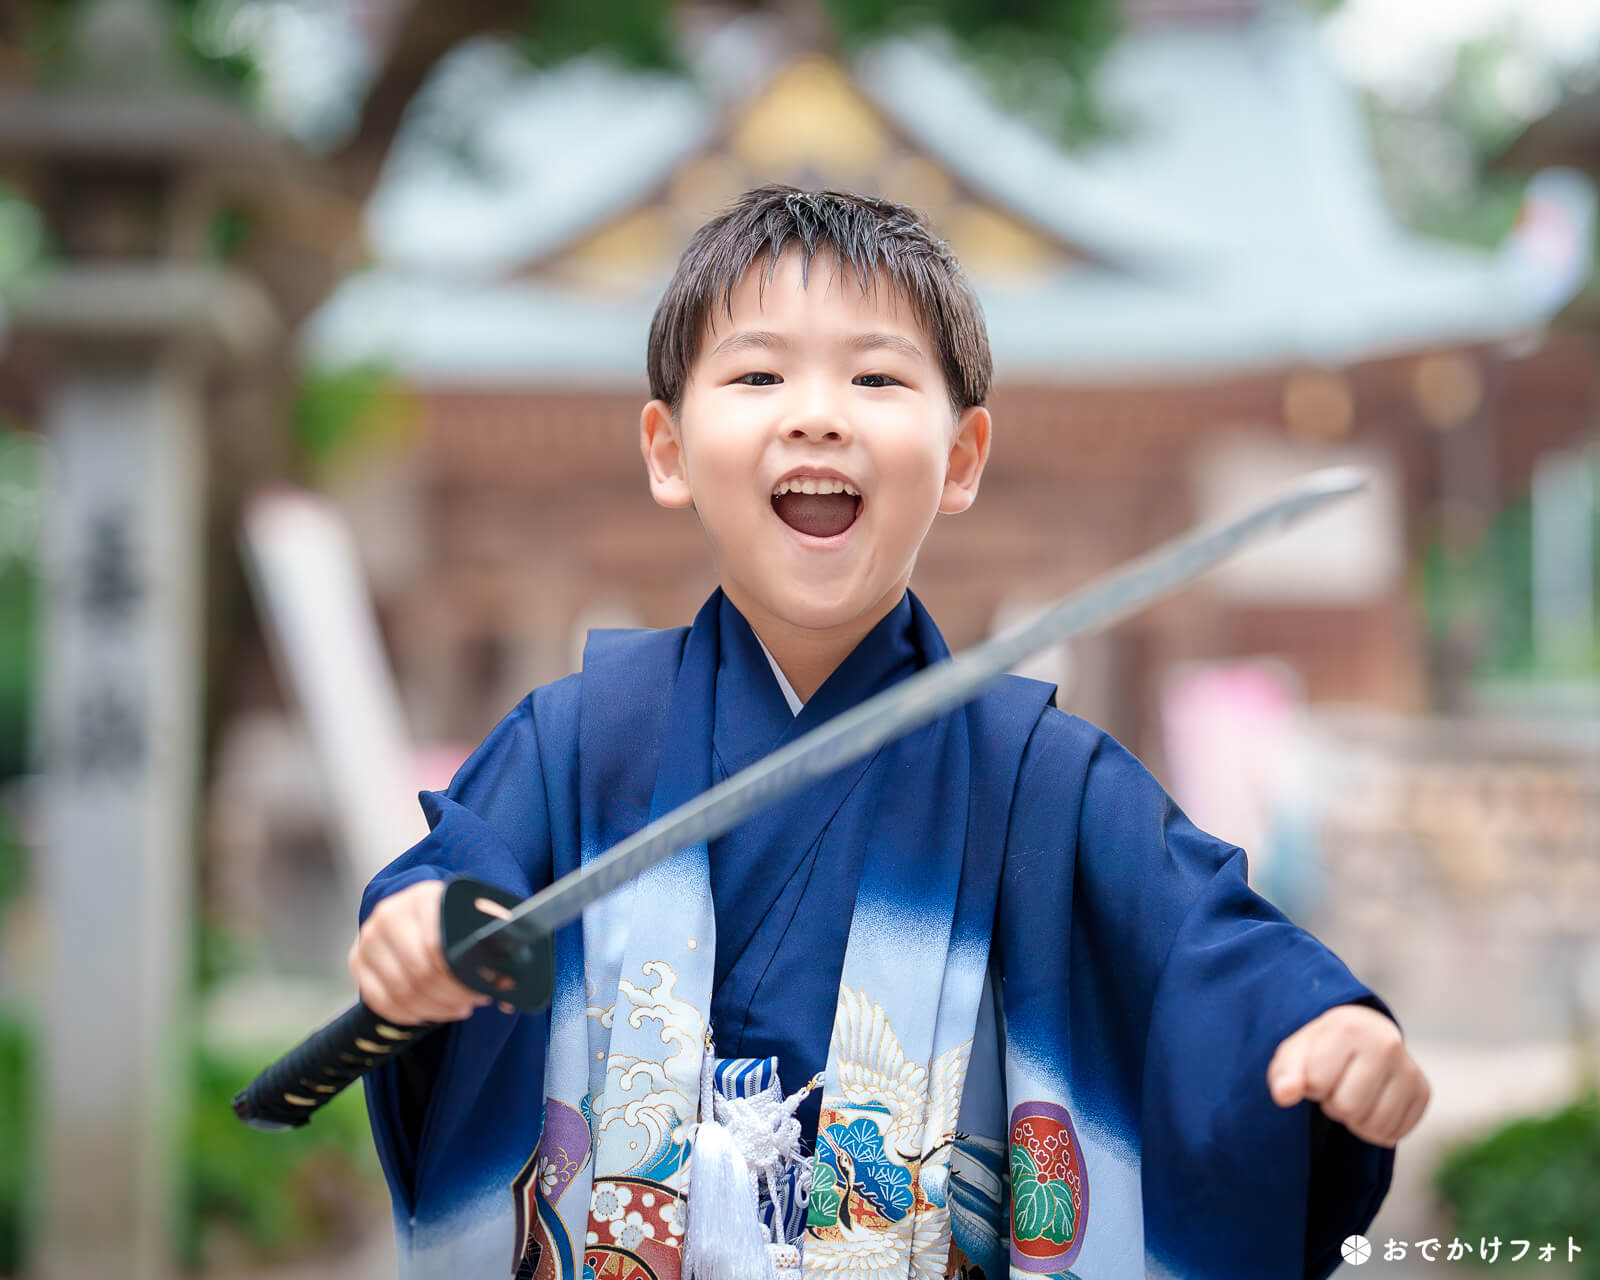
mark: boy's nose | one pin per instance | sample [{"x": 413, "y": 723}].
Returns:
[
  {"x": 812, "y": 410},
  {"x": 818, "y": 418},
  {"x": 817, "y": 429}
]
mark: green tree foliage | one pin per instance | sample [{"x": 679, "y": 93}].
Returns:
[
  {"x": 636, "y": 32},
  {"x": 16, "y": 1145},
  {"x": 1536, "y": 1179},
  {"x": 273, "y": 1195},
  {"x": 19, "y": 516},
  {"x": 343, "y": 410},
  {"x": 1036, "y": 55},
  {"x": 247, "y": 1196},
  {"x": 1437, "y": 146},
  {"x": 1486, "y": 590}
]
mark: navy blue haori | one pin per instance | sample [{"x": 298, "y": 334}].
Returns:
[{"x": 1037, "y": 1002}]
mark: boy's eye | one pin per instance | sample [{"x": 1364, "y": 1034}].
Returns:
[
  {"x": 758, "y": 379},
  {"x": 878, "y": 380}
]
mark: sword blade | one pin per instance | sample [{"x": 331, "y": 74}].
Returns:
[{"x": 909, "y": 704}]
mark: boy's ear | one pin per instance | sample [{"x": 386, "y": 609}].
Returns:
[
  {"x": 969, "y": 450},
  {"x": 663, "y": 455}
]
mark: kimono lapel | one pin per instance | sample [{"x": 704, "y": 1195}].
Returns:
[
  {"x": 571, "y": 1218},
  {"x": 753, "y": 865},
  {"x": 658, "y": 1020},
  {"x": 895, "y": 1066}
]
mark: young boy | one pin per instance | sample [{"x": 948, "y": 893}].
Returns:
[{"x": 1051, "y": 1028}]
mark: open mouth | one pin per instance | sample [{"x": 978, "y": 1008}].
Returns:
[{"x": 821, "y": 515}]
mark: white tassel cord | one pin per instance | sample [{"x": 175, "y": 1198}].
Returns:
[
  {"x": 768, "y": 1136},
  {"x": 724, "y": 1239}
]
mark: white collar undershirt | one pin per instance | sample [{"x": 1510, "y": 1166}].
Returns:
[{"x": 788, "y": 690}]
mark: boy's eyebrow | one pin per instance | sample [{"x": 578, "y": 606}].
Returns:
[
  {"x": 891, "y": 341},
  {"x": 766, "y": 340},
  {"x": 751, "y": 339}
]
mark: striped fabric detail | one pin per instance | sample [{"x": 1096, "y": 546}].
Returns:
[{"x": 751, "y": 1078}]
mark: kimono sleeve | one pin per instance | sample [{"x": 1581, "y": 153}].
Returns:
[
  {"x": 491, "y": 824},
  {"x": 1232, "y": 1175},
  {"x": 1180, "y": 984}
]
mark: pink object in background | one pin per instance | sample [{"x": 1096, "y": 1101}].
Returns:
[
  {"x": 432, "y": 767},
  {"x": 1235, "y": 760}
]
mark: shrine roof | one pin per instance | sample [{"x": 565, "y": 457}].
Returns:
[{"x": 1233, "y": 220}]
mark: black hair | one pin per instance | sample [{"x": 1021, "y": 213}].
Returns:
[{"x": 868, "y": 235}]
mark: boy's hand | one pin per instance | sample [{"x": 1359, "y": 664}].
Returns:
[
  {"x": 1353, "y": 1063},
  {"x": 398, "y": 961}
]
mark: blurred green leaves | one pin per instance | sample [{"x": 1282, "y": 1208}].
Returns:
[
  {"x": 636, "y": 32},
  {"x": 248, "y": 1197},
  {"x": 17, "y": 1175},
  {"x": 1037, "y": 55},
  {"x": 13, "y": 866},
  {"x": 1536, "y": 1179},
  {"x": 21, "y": 508},
  {"x": 272, "y": 1196},
  {"x": 21, "y": 235},
  {"x": 1485, "y": 589},
  {"x": 337, "y": 410}
]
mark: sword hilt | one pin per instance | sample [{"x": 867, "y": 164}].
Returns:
[{"x": 289, "y": 1092}]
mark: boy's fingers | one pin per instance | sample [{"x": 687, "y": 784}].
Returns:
[
  {"x": 420, "y": 1009},
  {"x": 402, "y": 1002},
  {"x": 399, "y": 958},
  {"x": 424, "y": 957},
  {"x": 1327, "y": 1060},
  {"x": 1286, "y": 1073},
  {"x": 1383, "y": 1125},
  {"x": 438, "y": 985},
  {"x": 1355, "y": 1098},
  {"x": 422, "y": 930},
  {"x": 426, "y": 961},
  {"x": 376, "y": 997},
  {"x": 444, "y": 997},
  {"x": 411, "y": 997},
  {"x": 447, "y": 990},
  {"x": 424, "y": 907},
  {"x": 1413, "y": 1100},
  {"x": 379, "y": 960},
  {"x": 1413, "y": 1114},
  {"x": 442, "y": 983}
]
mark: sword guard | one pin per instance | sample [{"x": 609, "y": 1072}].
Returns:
[{"x": 522, "y": 974}]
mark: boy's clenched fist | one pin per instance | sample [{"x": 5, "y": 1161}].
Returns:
[
  {"x": 1352, "y": 1062},
  {"x": 398, "y": 961}
]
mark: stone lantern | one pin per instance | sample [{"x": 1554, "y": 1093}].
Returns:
[{"x": 128, "y": 159}]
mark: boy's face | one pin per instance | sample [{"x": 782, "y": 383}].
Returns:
[{"x": 813, "y": 380}]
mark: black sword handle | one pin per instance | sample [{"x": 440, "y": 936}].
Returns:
[{"x": 289, "y": 1092}]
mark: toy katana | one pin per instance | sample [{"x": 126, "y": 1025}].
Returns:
[{"x": 505, "y": 949}]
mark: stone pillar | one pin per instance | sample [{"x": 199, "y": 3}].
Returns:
[
  {"x": 127, "y": 160},
  {"x": 120, "y": 714}
]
